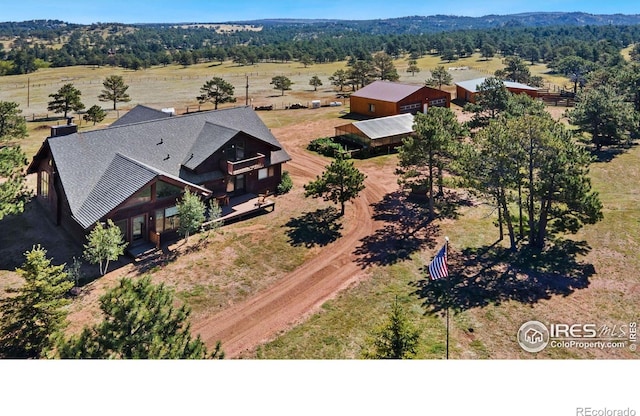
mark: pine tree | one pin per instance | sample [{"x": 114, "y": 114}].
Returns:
[
  {"x": 397, "y": 339},
  {"x": 141, "y": 321},
  {"x": 315, "y": 82},
  {"x": 439, "y": 76},
  {"x": 216, "y": 91},
  {"x": 95, "y": 113},
  {"x": 115, "y": 90},
  {"x": 423, "y": 157},
  {"x": 13, "y": 192},
  {"x": 103, "y": 245},
  {"x": 66, "y": 99},
  {"x": 340, "y": 182},
  {"x": 282, "y": 83},
  {"x": 34, "y": 314}
]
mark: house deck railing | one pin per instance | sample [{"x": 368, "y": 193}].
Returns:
[{"x": 245, "y": 165}]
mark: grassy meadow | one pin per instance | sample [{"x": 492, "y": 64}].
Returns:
[{"x": 488, "y": 330}]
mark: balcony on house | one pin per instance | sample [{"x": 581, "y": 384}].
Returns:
[{"x": 241, "y": 166}]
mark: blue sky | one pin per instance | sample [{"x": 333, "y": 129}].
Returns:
[{"x": 213, "y": 11}]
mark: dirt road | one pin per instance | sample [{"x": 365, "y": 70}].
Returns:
[{"x": 243, "y": 326}]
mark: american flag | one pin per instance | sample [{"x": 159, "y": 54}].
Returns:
[{"x": 438, "y": 266}]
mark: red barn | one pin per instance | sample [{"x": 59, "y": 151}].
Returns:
[{"x": 385, "y": 98}]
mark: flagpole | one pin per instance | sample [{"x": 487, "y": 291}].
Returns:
[{"x": 448, "y": 295}]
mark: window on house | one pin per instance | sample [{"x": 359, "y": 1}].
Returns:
[
  {"x": 235, "y": 151},
  {"x": 372, "y": 108},
  {"x": 167, "y": 219},
  {"x": 140, "y": 198},
  {"x": 266, "y": 173},
  {"x": 122, "y": 224},
  {"x": 44, "y": 184},
  {"x": 165, "y": 190}
]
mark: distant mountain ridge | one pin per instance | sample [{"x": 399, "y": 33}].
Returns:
[
  {"x": 399, "y": 25},
  {"x": 439, "y": 23}
]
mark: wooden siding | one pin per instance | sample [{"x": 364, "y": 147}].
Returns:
[{"x": 361, "y": 105}]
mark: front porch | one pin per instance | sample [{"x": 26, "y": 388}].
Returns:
[
  {"x": 242, "y": 206},
  {"x": 237, "y": 208}
]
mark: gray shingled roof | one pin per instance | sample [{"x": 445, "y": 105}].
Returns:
[
  {"x": 122, "y": 178},
  {"x": 386, "y": 126},
  {"x": 91, "y": 160},
  {"x": 387, "y": 91},
  {"x": 211, "y": 138},
  {"x": 139, "y": 114},
  {"x": 473, "y": 84}
]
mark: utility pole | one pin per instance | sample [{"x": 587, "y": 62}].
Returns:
[{"x": 246, "y": 94}]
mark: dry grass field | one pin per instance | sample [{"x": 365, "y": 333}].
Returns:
[{"x": 211, "y": 274}]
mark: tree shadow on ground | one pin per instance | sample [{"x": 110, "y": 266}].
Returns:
[
  {"x": 156, "y": 260},
  {"x": 407, "y": 229},
  {"x": 492, "y": 274},
  {"x": 317, "y": 228},
  {"x": 607, "y": 154}
]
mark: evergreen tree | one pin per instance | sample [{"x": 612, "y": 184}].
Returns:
[
  {"x": 339, "y": 78},
  {"x": 487, "y": 51},
  {"x": 282, "y": 83},
  {"x": 492, "y": 98},
  {"x": 360, "y": 74},
  {"x": 340, "y": 182},
  {"x": 515, "y": 70},
  {"x": 115, "y": 90},
  {"x": 104, "y": 244},
  {"x": 397, "y": 339},
  {"x": 34, "y": 314},
  {"x": 141, "y": 321},
  {"x": 413, "y": 67},
  {"x": 315, "y": 82},
  {"x": 216, "y": 91},
  {"x": 13, "y": 192},
  {"x": 422, "y": 157},
  {"x": 439, "y": 76},
  {"x": 383, "y": 67},
  {"x": 66, "y": 99},
  {"x": 576, "y": 68},
  {"x": 604, "y": 114},
  {"x": 191, "y": 212},
  {"x": 559, "y": 194},
  {"x": 95, "y": 113}
]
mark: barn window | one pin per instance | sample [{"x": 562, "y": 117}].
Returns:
[{"x": 372, "y": 108}]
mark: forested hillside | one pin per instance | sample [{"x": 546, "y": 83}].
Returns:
[{"x": 544, "y": 37}]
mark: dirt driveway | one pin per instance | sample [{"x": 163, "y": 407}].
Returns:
[{"x": 245, "y": 325}]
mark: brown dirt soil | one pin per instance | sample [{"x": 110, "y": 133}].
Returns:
[{"x": 245, "y": 325}]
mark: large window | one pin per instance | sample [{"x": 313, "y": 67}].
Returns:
[
  {"x": 44, "y": 184},
  {"x": 235, "y": 152},
  {"x": 165, "y": 190},
  {"x": 140, "y": 198},
  {"x": 167, "y": 219}
]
